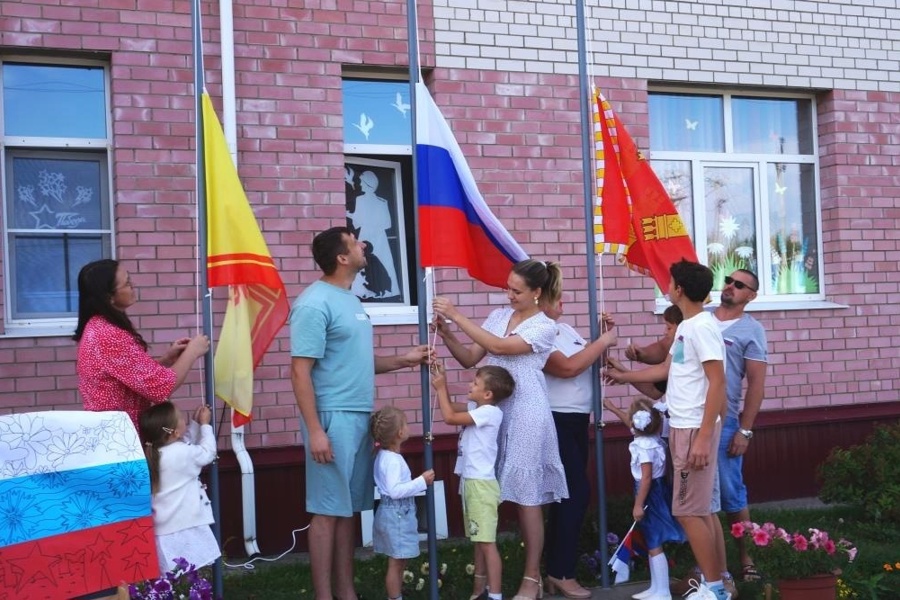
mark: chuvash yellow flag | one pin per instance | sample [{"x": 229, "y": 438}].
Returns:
[{"x": 239, "y": 258}]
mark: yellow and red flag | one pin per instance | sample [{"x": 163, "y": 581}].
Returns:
[
  {"x": 633, "y": 216},
  {"x": 239, "y": 258}
]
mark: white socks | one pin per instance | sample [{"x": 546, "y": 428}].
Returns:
[{"x": 659, "y": 574}]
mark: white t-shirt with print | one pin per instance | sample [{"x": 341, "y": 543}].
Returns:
[{"x": 697, "y": 340}]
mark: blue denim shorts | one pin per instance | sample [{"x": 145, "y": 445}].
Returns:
[
  {"x": 731, "y": 476},
  {"x": 345, "y": 485},
  {"x": 395, "y": 531}
]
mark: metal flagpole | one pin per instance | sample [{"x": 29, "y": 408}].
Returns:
[
  {"x": 586, "y": 139},
  {"x": 209, "y": 382},
  {"x": 428, "y": 438}
]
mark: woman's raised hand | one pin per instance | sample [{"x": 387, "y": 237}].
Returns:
[
  {"x": 174, "y": 351},
  {"x": 443, "y": 307},
  {"x": 197, "y": 346}
]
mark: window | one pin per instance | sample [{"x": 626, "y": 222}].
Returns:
[
  {"x": 56, "y": 192},
  {"x": 378, "y": 183},
  {"x": 742, "y": 171}
]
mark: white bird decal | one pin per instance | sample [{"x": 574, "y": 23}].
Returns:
[
  {"x": 692, "y": 125},
  {"x": 365, "y": 124},
  {"x": 400, "y": 105},
  {"x": 780, "y": 189}
]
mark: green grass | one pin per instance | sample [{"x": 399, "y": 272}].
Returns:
[{"x": 867, "y": 577}]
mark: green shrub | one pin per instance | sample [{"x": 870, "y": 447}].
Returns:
[{"x": 866, "y": 475}]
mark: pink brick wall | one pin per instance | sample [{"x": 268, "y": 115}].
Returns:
[{"x": 521, "y": 133}]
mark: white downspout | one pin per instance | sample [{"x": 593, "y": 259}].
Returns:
[{"x": 248, "y": 489}]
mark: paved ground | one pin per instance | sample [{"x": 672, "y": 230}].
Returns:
[{"x": 618, "y": 592}]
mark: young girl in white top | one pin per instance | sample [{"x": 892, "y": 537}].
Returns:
[
  {"x": 652, "y": 495},
  {"x": 182, "y": 512},
  {"x": 395, "y": 530}
]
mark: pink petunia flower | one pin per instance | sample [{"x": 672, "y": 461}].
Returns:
[
  {"x": 737, "y": 530},
  {"x": 829, "y": 547},
  {"x": 761, "y": 537},
  {"x": 800, "y": 543}
]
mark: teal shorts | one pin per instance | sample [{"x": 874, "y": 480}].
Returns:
[
  {"x": 346, "y": 485},
  {"x": 481, "y": 498}
]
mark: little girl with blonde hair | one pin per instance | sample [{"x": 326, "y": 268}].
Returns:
[{"x": 395, "y": 530}]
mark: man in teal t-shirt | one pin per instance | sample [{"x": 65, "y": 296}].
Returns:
[{"x": 333, "y": 369}]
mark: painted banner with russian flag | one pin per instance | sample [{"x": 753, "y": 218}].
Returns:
[
  {"x": 75, "y": 513},
  {"x": 456, "y": 227}
]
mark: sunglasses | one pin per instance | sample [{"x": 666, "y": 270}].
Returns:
[{"x": 737, "y": 284}]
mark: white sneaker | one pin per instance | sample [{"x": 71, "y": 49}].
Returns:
[
  {"x": 700, "y": 591},
  {"x": 643, "y": 595}
]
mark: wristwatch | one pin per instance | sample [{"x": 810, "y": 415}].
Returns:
[{"x": 747, "y": 433}]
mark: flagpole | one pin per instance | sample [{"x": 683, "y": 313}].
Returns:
[
  {"x": 209, "y": 380},
  {"x": 586, "y": 138},
  {"x": 413, "y": 37}
]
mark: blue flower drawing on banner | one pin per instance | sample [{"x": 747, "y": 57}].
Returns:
[
  {"x": 128, "y": 479},
  {"x": 85, "y": 509},
  {"x": 50, "y": 478},
  {"x": 19, "y": 513}
]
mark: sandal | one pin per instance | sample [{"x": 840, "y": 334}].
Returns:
[
  {"x": 483, "y": 593},
  {"x": 749, "y": 573}
]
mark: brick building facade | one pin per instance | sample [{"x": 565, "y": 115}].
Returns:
[{"x": 795, "y": 169}]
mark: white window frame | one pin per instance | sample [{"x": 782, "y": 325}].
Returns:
[
  {"x": 386, "y": 314},
  {"x": 59, "y": 326},
  {"x": 759, "y": 163}
]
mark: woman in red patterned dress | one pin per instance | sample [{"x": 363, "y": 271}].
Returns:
[{"x": 115, "y": 372}]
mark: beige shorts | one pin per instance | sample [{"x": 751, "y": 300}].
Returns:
[
  {"x": 692, "y": 489},
  {"x": 481, "y": 498}
]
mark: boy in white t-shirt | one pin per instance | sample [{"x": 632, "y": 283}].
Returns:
[
  {"x": 695, "y": 396},
  {"x": 481, "y": 420}
]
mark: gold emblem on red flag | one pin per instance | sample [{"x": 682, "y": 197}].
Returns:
[{"x": 662, "y": 227}]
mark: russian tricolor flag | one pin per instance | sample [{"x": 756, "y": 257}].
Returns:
[
  {"x": 456, "y": 227},
  {"x": 75, "y": 513},
  {"x": 632, "y": 545}
]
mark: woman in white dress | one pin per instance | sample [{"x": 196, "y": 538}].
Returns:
[{"x": 520, "y": 338}]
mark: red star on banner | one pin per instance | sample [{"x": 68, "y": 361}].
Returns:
[
  {"x": 34, "y": 565},
  {"x": 136, "y": 561},
  {"x": 137, "y": 529},
  {"x": 100, "y": 547}
]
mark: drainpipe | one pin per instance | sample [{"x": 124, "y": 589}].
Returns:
[{"x": 229, "y": 122}]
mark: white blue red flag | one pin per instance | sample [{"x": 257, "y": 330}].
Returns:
[
  {"x": 456, "y": 227},
  {"x": 75, "y": 513},
  {"x": 632, "y": 545}
]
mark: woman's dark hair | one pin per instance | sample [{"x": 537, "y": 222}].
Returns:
[
  {"x": 546, "y": 276},
  {"x": 157, "y": 424},
  {"x": 96, "y": 287}
]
